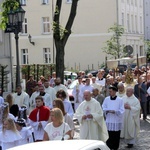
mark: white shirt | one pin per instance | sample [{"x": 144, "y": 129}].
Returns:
[
  {"x": 47, "y": 100},
  {"x": 101, "y": 82},
  {"x": 51, "y": 91},
  {"x": 26, "y": 134},
  {"x": 68, "y": 107},
  {"x": 56, "y": 133},
  {"x": 32, "y": 98}
]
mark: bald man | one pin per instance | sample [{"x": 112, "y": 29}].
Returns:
[
  {"x": 131, "y": 123},
  {"x": 90, "y": 116}
]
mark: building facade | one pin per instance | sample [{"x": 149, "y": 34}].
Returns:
[
  {"x": 83, "y": 50},
  {"x": 147, "y": 19},
  {"x": 6, "y": 58}
]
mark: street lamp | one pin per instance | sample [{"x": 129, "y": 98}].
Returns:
[{"x": 15, "y": 20}]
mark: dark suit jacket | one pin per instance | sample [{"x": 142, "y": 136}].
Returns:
[{"x": 140, "y": 93}]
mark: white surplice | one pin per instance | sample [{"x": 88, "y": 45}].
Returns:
[{"x": 113, "y": 120}]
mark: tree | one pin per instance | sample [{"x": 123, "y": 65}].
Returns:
[
  {"x": 7, "y": 5},
  {"x": 148, "y": 50},
  {"x": 61, "y": 35},
  {"x": 3, "y": 78},
  {"x": 113, "y": 46}
]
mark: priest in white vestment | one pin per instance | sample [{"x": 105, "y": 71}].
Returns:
[
  {"x": 76, "y": 93},
  {"x": 21, "y": 98},
  {"x": 131, "y": 124},
  {"x": 90, "y": 116},
  {"x": 50, "y": 90}
]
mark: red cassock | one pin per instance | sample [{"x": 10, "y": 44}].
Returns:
[{"x": 44, "y": 113}]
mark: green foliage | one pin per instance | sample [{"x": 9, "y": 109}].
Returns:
[
  {"x": 7, "y": 5},
  {"x": 148, "y": 50},
  {"x": 59, "y": 30},
  {"x": 113, "y": 46},
  {"x": 3, "y": 78},
  {"x": 37, "y": 70}
]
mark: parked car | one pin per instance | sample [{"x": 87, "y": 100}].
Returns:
[
  {"x": 70, "y": 75},
  {"x": 67, "y": 145}
]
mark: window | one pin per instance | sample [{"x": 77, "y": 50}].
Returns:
[
  {"x": 69, "y": 1},
  {"x": 24, "y": 26},
  {"x": 128, "y": 23},
  {"x": 23, "y": 2},
  {"x": 147, "y": 33},
  {"x": 24, "y": 53},
  {"x": 141, "y": 51},
  {"x": 122, "y": 18},
  {"x": 135, "y": 2},
  {"x": 46, "y": 24},
  {"x": 136, "y": 25},
  {"x": 141, "y": 3},
  {"x": 47, "y": 55},
  {"x": 137, "y": 49},
  {"x": 44, "y": 2},
  {"x": 141, "y": 24},
  {"x": 132, "y": 23}
]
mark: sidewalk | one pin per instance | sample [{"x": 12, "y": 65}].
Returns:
[{"x": 143, "y": 142}]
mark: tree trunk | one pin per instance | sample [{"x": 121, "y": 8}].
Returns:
[
  {"x": 60, "y": 41},
  {"x": 60, "y": 52}
]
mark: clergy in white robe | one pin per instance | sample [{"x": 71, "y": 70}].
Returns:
[
  {"x": 59, "y": 86},
  {"x": 131, "y": 123},
  {"x": 46, "y": 97},
  {"x": 32, "y": 98},
  {"x": 76, "y": 93},
  {"x": 50, "y": 90},
  {"x": 90, "y": 117},
  {"x": 87, "y": 86},
  {"x": 21, "y": 98},
  {"x": 1, "y": 100}
]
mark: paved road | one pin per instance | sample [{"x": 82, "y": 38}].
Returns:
[{"x": 143, "y": 142}]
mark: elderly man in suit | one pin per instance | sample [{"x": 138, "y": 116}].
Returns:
[{"x": 140, "y": 92}]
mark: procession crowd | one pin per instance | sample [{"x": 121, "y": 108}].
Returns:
[{"x": 107, "y": 107}]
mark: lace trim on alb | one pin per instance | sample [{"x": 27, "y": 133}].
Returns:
[{"x": 114, "y": 126}]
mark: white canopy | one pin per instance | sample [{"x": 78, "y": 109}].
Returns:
[{"x": 114, "y": 63}]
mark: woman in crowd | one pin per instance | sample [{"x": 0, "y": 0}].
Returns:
[
  {"x": 57, "y": 129},
  {"x": 9, "y": 99},
  {"x": 9, "y": 136},
  {"x": 67, "y": 104},
  {"x": 57, "y": 103},
  {"x": 4, "y": 113}
]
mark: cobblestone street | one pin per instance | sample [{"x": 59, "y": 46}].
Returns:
[{"x": 143, "y": 142}]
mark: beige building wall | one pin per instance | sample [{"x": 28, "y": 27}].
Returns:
[
  {"x": 89, "y": 32},
  {"x": 130, "y": 15}
]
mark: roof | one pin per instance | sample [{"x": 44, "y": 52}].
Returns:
[{"x": 67, "y": 145}]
